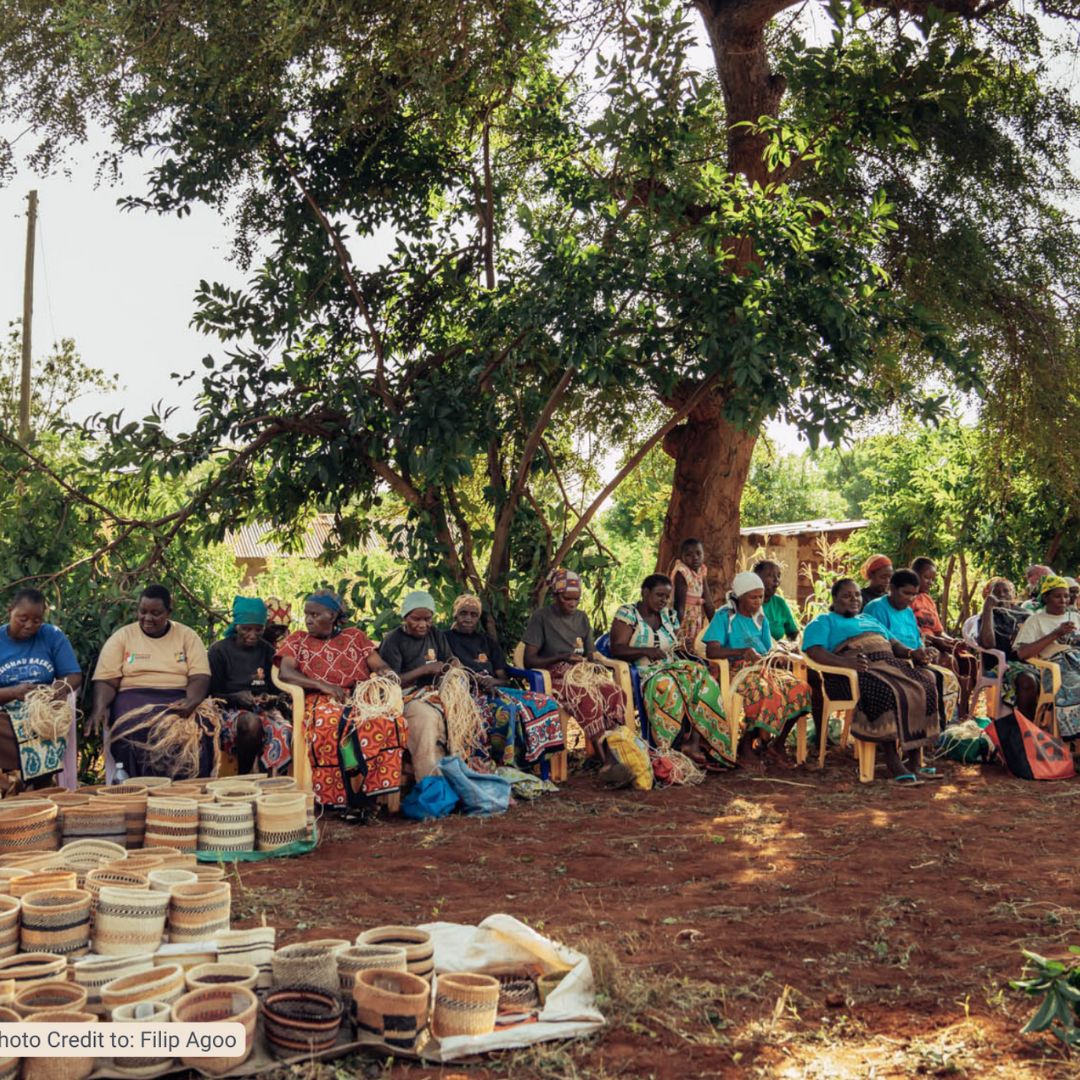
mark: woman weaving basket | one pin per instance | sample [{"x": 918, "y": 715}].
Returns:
[
  {"x": 329, "y": 660},
  {"x": 148, "y": 671},
  {"x": 35, "y": 654}
]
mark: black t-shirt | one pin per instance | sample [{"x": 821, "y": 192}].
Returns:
[
  {"x": 470, "y": 648},
  {"x": 403, "y": 652},
  {"x": 869, "y": 594},
  {"x": 234, "y": 669}
]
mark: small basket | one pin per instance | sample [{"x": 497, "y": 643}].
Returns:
[
  {"x": 228, "y": 826},
  {"x": 164, "y": 983},
  {"x": 44, "y": 879},
  {"x": 219, "y": 974},
  {"x": 547, "y": 984},
  {"x": 128, "y": 922},
  {"x": 234, "y": 791},
  {"x": 216, "y": 1003},
  {"x": 142, "y": 861},
  {"x": 82, "y": 856},
  {"x": 306, "y": 966},
  {"x": 48, "y": 997},
  {"x": 275, "y": 785},
  {"x": 199, "y": 912},
  {"x": 254, "y": 946},
  {"x": 363, "y": 958},
  {"x": 172, "y": 822},
  {"x": 33, "y": 967},
  {"x": 419, "y": 951},
  {"x": 142, "y": 1012},
  {"x": 300, "y": 1021},
  {"x": 517, "y": 994},
  {"x": 7, "y": 874},
  {"x": 29, "y": 826},
  {"x": 206, "y": 872},
  {"x": 56, "y": 921},
  {"x": 61, "y": 1068},
  {"x": 465, "y": 1004},
  {"x": 392, "y": 1006},
  {"x": 94, "y": 972},
  {"x": 165, "y": 880},
  {"x": 280, "y": 820},
  {"x": 113, "y": 877},
  {"x": 10, "y": 910},
  {"x": 134, "y": 803}
]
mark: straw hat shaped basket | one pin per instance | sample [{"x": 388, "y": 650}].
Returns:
[
  {"x": 172, "y": 822},
  {"x": 465, "y": 1004},
  {"x": 419, "y": 951},
  {"x": 98, "y": 819},
  {"x": 61, "y": 1068},
  {"x": 226, "y": 826},
  {"x": 93, "y": 972},
  {"x": 10, "y": 909},
  {"x": 254, "y": 946},
  {"x": 219, "y": 974},
  {"x": 82, "y": 856},
  {"x": 33, "y": 967},
  {"x": 56, "y": 921},
  {"x": 48, "y": 997},
  {"x": 280, "y": 819},
  {"x": 165, "y": 983},
  {"x": 128, "y": 922},
  {"x": 214, "y": 1003},
  {"x": 300, "y": 1021},
  {"x": 142, "y": 1012},
  {"x": 391, "y": 1005},
  {"x": 307, "y": 965},
  {"x": 199, "y": 912},
  {"x": 9, "y": 1066},
  {"x": 29, "y": 826}
]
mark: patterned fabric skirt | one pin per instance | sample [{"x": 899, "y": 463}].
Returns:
[
  {"x": 381, "y": 740},
  {"x": 135, "y": 759},
  {"x": 770, "y": 698},
  {"x": 525, "y": 723},
  {"x": 680, "y": 695},
  {"x": 598, "y": 712},
  {"x": 276, "y": 731},
  {"x": 37, "y": 756},
  {"x": 1067, "y": 702},
  {"x": 692, "y": 625}
]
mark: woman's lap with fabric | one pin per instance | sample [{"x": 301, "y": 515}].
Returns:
[
  {"x": 33, "y": 754},
  {"x": 523, "y": 722},
  {"x": 771, "y": 698},
  {"x": 597, "y": 710},
  {"x": 276, "y": 752},
  {"x": 682, "y": 694},
  {"x": 896, "y": 702},
  {"x": 136, "y": 759}
]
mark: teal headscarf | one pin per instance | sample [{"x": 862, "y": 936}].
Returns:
[{"x": 246, "y": 611}]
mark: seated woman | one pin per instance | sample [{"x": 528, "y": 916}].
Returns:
[
  {"x": 693, "y": 601},
  {"x": 252, "y": 722},
  {"x": 946, "y": 650},
  {"x": 523, "y": 727},
  {"x": 33, "y": 653},
  {"x": 420, "y": 654},
  {"x": 328, "y": 659},
  {"x": 773, "y": 699},
  {"x": 682, "y": 699},
  {"x": 148, "y": 671},
  {"x": 877, "y": 571},
  {"x": 557, "y": 638},
  {"x": 1033, "y": 575},
  {"x": 1053, "y": 633},
  {"x": 898, "y": 703},
  {"x": 782, "y": 623},
  {"x": 996, "y": 627}
]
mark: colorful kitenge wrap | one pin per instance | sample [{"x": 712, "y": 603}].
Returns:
[
  {"x": 342, "y": 661},
  {"x": 896, "y": 701},
  {"x": 37, "y": 756},
  {"x": 277, "y": 733},
  {"x": 771, "y": 697},
  {"x": 693, "y": 620},
  {"x": 524, "y": 723},
  {"x": 1048, "y": 584},
  {"x": 561, "y": 579}
]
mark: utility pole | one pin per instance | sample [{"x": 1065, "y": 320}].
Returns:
[{"x": 27, "y": 319}]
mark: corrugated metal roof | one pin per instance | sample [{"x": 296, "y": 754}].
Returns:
[
  {"x": 796, "y": 528},
  {"x": 250, "y": 541}
]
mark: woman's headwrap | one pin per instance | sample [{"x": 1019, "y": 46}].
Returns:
[
  {"x": 875, "y": 562},
  {"x": 745, "y": 582},
  {"x": 417, "y": 599},
  {"x": 992, "y": 584},
  {"x": 562, "y": 580},
  {"x": 1049, "y": 583},
  {"x": 1072, "y": 583},
  {"x": 246, "y": 611},
  {"x": 327, "y": 600},
  {"x": 467, "y": 600},
  {"x": 277, "y": 611}
]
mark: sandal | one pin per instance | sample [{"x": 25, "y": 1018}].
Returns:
[
  {"x": 359, "y": 817},
  {"x": 928, "y": 772},
  {"x": 908, "y": 779}
]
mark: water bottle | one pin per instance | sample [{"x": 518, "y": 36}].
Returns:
[{"x": 120, "y": 775}]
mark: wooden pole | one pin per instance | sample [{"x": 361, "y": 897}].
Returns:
[{"x": 27, "y": 319}]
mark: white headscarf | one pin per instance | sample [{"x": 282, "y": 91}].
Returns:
[{"x": 744, "y": 583}]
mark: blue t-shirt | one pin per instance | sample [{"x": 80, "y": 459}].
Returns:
[
  {"x": 901, "y": 625},
  {"x": 45, "y": 657},
  {"x": 730, "y": 630},
  {"x": 830, "y": 630}
]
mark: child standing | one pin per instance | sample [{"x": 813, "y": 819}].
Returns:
[{"x": 693, "y": 602}]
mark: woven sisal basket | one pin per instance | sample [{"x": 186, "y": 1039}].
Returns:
[
  {"x": 99, "y": 819},
  {"x": 128, "y": 922},
  {"x": 29, "y": 826},
  {"x": 232, "y": 791},
  {"x": 10, "y": 1067},
  {"x": 222, "y": 974},
  {"x": 206, "y": 872},
  {"x": 93, "y": 972},
  {"x": 465, "y": 1004},
  {"x": 143, "y": 1012},
  {"x": 391, "y": 1005},
  {"x": 280, "y": 819},
  {"x": 199, "y": 912},
  {"x": 61, "y": 1068},
  {"x": 132, "y": 797},
  {"x": 164, "y": 983},
  {"x": 33, "y": 967},
  {"x": 275, "y": 785},
  {"x": 419, "y": 952},
  {"x": 82, "y": 856},
  {"x": 56, "y": 921},
  {"x": 48, "y": 997},
  {"x": 228, "y": 826},
  {"x": 151, "y": 782},
  {"x": 164, "y": 880},
  {"x": 142, "y": 861},
  {"x": 10, "y": 910},
  {"x": 215, "y": 1003},
  {"x": 254, "y": 946},
  {"x": 44, "y": 879},
  {"x": 364, "y": 958},
  {"x": 306, "y": 966},
  {"x": 172, "y": 822},
  {"x": 6, "y": 875},
  {"x": 300, "y": 1021}
]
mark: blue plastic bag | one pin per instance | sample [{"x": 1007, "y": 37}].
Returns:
[
  {"x": 433, "y": 797},
  {"x": 480, "y": 793}
]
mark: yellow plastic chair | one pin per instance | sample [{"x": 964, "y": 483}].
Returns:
[
  {"x": 1049, "y": 685},
  {"x": 301, "y": 763},
  {"x": 845, "y": 705}
]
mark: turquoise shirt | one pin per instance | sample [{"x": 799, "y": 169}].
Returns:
[
  {"x": 830, "y": 630},
  {"x": 730, "y": 630},
  {"x": 901, "y": 625}
]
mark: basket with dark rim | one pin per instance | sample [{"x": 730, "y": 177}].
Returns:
[
  {"x": 33, "y": 967},
  {"x": 419, "y": 951},
  {"x": 56, "y": 921},
  {"x": 222, "y": 974},
  {"x": 48, "y": 997},
  {"x": 517, "y": 994},
  {"x": 299, "y": 1021}
]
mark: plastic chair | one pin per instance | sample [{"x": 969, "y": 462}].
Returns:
[
  {"x": 603, "y": 647},
  {"x": 990, "y": 681},
  {"x": 845, "y": 705},
  {"x": 1049, "y": 685},
  {"x": 539, "y": 682}
]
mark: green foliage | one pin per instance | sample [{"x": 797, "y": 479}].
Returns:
[{"x": 1057, "y": 985}]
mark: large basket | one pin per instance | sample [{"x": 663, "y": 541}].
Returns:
[
  {"x": 129, "y": 922},
  {"x": 254, "y": 946},
  {"x": 29, "y": 826},
  {"x": 280, "y": 819},
  {"x": 300, "y": 1021},
  {"x": 306, "y": 966},
  {"x": 419, "y": 951},
  {"x": 93, "y": 972},
  {"x": 61, "y": 1068},
  {"x": 48, "y": 997},
  {"x": 228, "y": 826},
  {"x": 56, "y": 921},
  {"x": 217, "y": 1003},
  {"x": 10, "y": 910},
  {"x": 392, "y": 1006},
  {"x": 132, "y": 797},
  {"x": 143, "y": 1012},
  {"x": 82, "y": 856},
  {"x": 172, "y": 822},
  {"x": 99, "y": 819},
  {"x": 199, "y": 912},
  {"x": 465, "y": 1004},
  {"x": 165, "y": 983}
]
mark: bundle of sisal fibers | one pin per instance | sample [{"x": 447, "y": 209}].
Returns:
[
  {"x": 587, "y": 678},
  {"x": 46, "y": 715},
  {"x": 464, "y": 721},
  {"x": 377, "y": 696},
  {"x": 173, "y": 741}
]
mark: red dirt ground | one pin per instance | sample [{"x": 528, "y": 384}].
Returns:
[{"x": 797, "y": 925}]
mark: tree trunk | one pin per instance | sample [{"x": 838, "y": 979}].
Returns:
[{"x": 712, "y": 461}]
